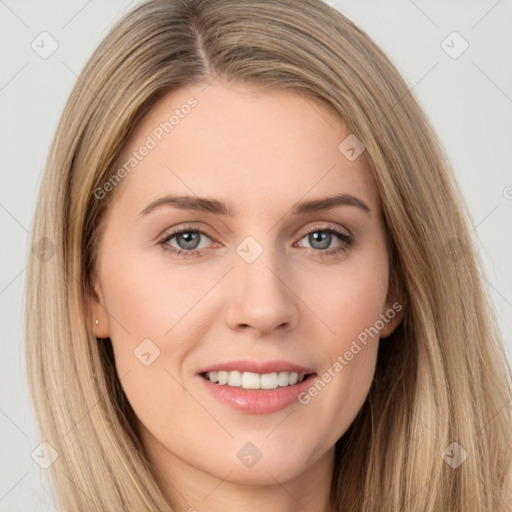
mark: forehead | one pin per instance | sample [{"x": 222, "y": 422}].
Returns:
[{"x": 256, "y": 145}]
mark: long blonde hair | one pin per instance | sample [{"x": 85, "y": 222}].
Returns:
[{"x": 441, "y": 377}]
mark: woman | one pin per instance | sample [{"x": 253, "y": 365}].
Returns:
[{"x": 264, "y": 292}]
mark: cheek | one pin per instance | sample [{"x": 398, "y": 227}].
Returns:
[
  {"x": 158, "y": 316},
  {"x": 152, "y": 301},
  {"x": 349, "y": 303}
]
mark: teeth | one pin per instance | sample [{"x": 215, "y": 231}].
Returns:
[
  {"x": 283, "y": 378},
  {"x": 251, "y": 380},
  {"x": 222, "y": 377},
  {"x": 269, "y": 381},
  {"x": 234, "y": 379}
]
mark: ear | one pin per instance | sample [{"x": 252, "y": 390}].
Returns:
[
  {"x": 98, "y": 310},
  {"x": 394, "y": 307}
]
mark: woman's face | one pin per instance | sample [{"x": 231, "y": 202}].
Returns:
[{"x": 244, "y": 243}]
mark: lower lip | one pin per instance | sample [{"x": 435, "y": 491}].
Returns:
[{"x": 257, "y": 401}]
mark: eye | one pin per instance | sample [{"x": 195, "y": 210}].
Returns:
[
  {"x": 321, "y": 238},
  {"x": 187, "y": 242}
]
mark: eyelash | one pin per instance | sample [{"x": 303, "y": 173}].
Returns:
[{"x": 346, "y": 239}]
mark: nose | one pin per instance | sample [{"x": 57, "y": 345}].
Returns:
[{"x": 262, "y": 299}]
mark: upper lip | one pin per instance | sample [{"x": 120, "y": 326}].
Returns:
[{"x": 257, "y": 367}]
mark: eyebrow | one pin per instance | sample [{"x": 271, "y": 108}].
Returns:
[{"x": 217, "y": 207}]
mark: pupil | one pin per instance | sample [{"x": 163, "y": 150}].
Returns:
[
  {"x": 323, "y": 236},
  {"x": 190, "y": 238}
]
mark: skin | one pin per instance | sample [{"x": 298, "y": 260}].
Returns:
[{"x": 261, "y": 152}]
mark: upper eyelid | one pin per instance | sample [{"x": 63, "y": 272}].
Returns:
[
  {"x": 327, "y": 227},
  {"x": 203, "y": 231},
  {"x": 168, "y": 235}
]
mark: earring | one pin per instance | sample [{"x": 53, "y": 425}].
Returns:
[{"x": 97, "y": 321}]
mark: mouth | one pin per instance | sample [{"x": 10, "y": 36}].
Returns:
[
  {"x": 253, "y": 380},
  {"x": 256, "y": 387}
]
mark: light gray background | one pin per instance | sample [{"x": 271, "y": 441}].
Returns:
[{"x": 468, "y": 99}]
